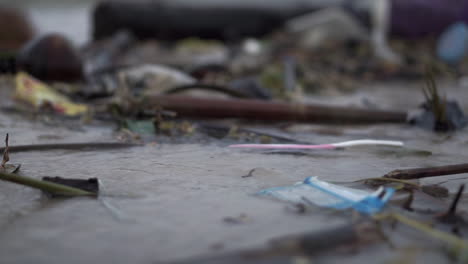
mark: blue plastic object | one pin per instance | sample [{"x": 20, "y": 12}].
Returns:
[
  {"x": 452, "y": 45},
  {"x": 331, "y": 195}
]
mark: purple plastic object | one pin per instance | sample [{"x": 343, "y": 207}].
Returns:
[{"x": 418, "y": 18}]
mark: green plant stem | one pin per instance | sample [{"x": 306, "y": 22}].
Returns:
[
  {"x": 70, "y": 146},
  {"x": 45, "y": 186},
  {"x": 459, "y": 245}
]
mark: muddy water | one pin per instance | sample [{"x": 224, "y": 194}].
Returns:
[{"x": 164, "y": 202}]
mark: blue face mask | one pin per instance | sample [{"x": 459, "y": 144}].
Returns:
[{"x": 324, "y": 194}]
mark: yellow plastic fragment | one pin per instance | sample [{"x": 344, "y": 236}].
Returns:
[{"x": 38, "y": 94}]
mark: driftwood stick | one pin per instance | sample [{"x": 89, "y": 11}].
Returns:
[
  {"x": 453, "y": 206},
  {"x": 450, "y": 216},
  {"x": 187, "y": 106},
  {"x": 418, "y": 173},
  {"x": 69, "y": 146},
  {"x": 6, "y": 156}
]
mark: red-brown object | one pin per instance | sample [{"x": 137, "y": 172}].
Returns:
[
  {"x": 15, "y": 29},
  {"x": 51, "y": 57},
  {"x": 270, "y": 111}
]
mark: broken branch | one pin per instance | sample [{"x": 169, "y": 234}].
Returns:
[
  {"x": 6, "y": 156},
  {"x": 418, "y": 173},
  {"x": 451, "y": 214},
  {"x": 69, "y": 146},
  {"x": 270, "y": 111}
]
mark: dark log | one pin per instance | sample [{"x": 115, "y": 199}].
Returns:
[
  {"x": 418, "y": 173},
  {"x": 172, "y": 20},
  {"x": 187, "y": 106}
]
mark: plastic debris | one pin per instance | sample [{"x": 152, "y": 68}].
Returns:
[
  {"x": 90, "y": 185},
  {"x": 330, "y": 24},
  {"x": 202, "y": 52},
  {"x": 324, "y": 194},
  {"x": 251, "y": 87},
  {"x": 152, "y": 78},
  {"x": 352, "y": 143},
  {"x": 102, "y": 60},
  {"x": 453, "y": 43},
  {"x": 340, "y": 24},
  {"x": 140, "y": 126},
  {"x": 454, "y": 118},
  {"x": 38, "y": 94},
  {"x": 437, "y": 112}
]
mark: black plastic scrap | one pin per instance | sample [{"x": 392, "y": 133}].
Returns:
[
  {"x": 90, "y": 185},
  {"x": 55, "y": 189},
  {"x": 453, "y": 118},
  {"x": 439, "y": 114}
]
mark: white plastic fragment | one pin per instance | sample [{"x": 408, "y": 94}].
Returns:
[{"x": 351, "y": 143}]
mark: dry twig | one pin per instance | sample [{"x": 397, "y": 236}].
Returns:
[{"x": 6, "y": 150}]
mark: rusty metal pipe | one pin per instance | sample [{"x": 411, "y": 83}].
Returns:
[{"x": 187, "y": 106}]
